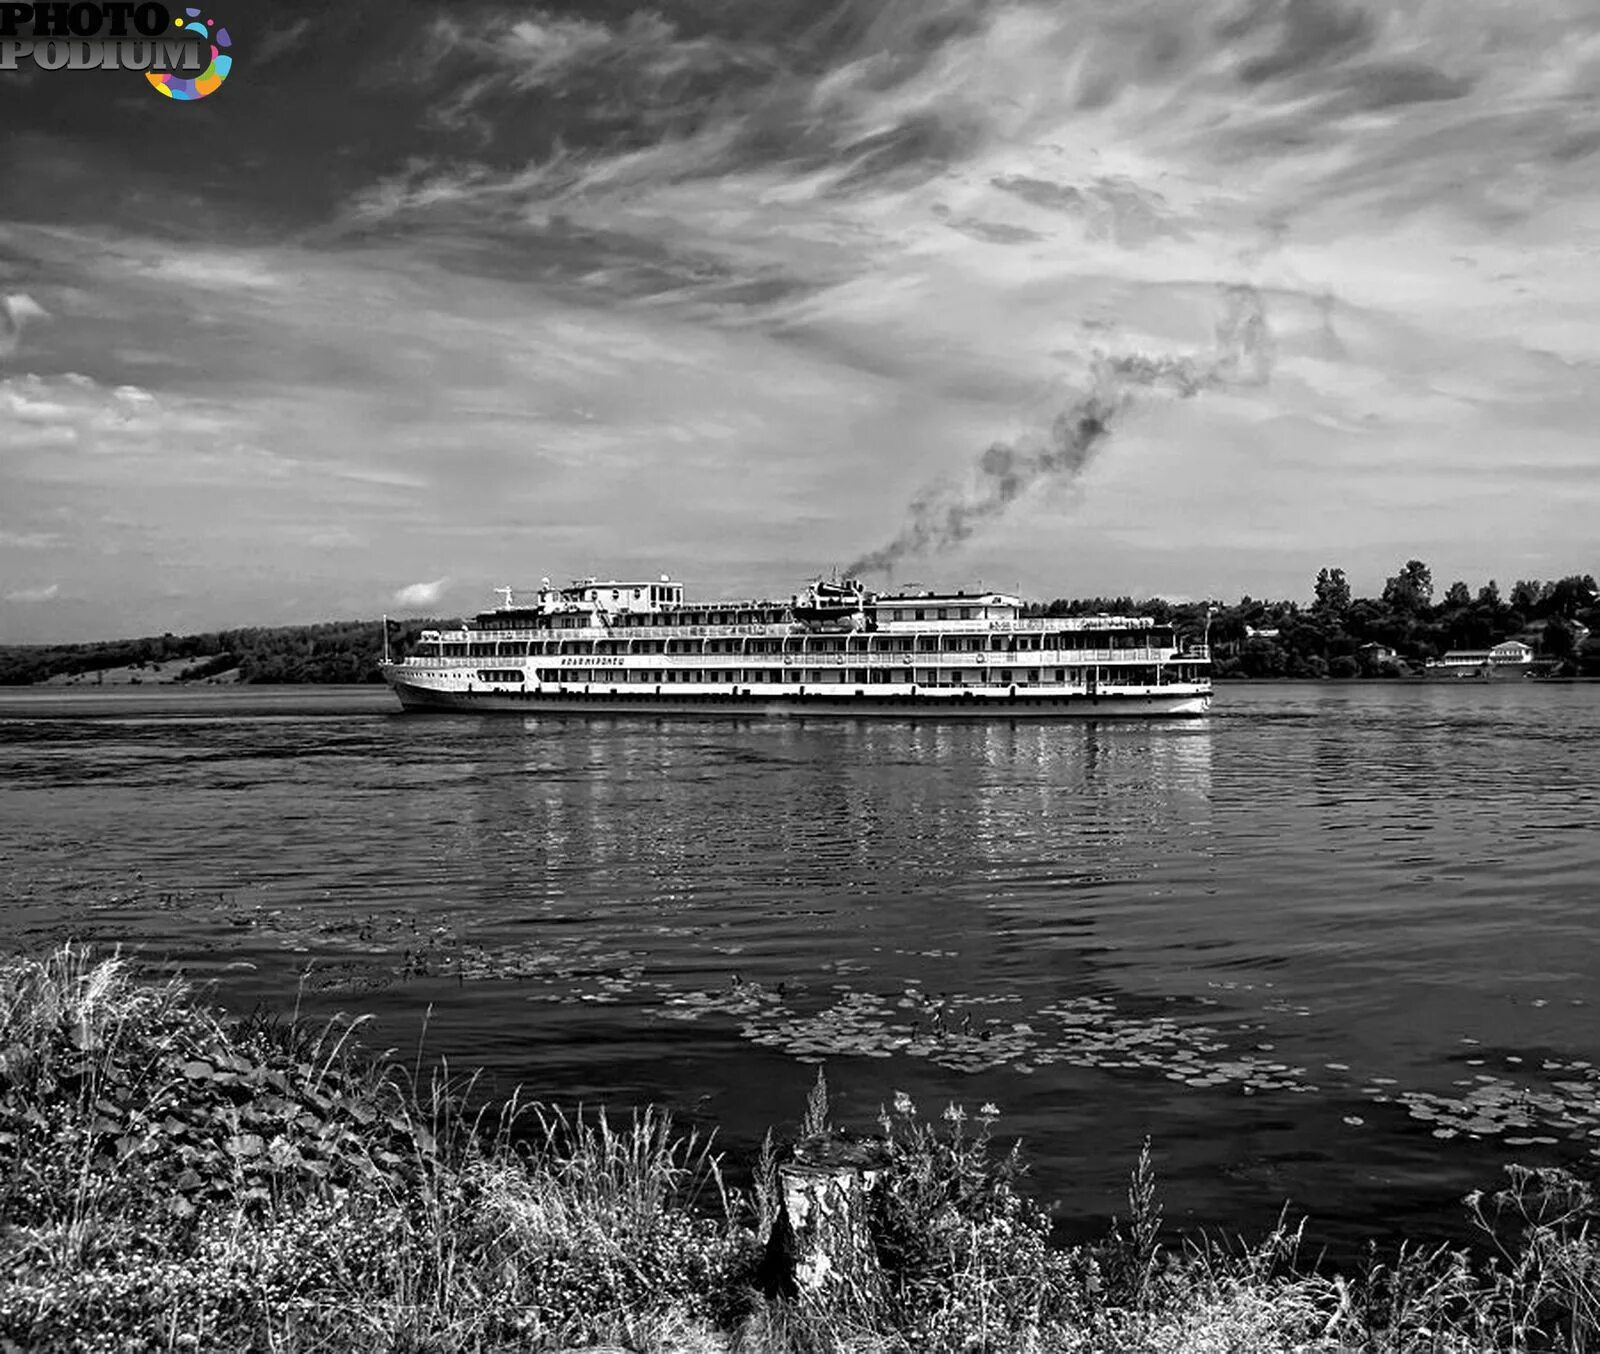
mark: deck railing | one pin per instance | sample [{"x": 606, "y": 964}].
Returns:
[
  {"x": 894, "y": 661},
  {"x": 776, "y": 629}
]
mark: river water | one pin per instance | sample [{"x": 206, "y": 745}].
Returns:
[{"x": 1335, "y": 945}]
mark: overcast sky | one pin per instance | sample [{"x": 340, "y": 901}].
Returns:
[{"x": 434, "y": 297}]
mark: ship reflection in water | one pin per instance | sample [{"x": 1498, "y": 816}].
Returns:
[
  {"x": 869, "y": 790},
  {"x": 785, "y": 818}
]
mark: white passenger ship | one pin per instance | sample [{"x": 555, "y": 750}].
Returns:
[{"x": 614, "y": 647}]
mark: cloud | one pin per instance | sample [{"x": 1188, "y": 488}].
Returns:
[
  {"x": 494, "y": 411},
  {"x": 421, "y": 594},
  {"x": 622, "y": 277},
  {"x": 149, "y": 438},
  {"x": 15, "y": 311},
  {"x": 282, "y": 38},
  {"x": 591, "y": 82},
  {"x": 28, "y": 540},
  {"x": 41, "y": 594}
]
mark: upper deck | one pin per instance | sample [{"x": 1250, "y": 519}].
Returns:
[{"x": 618, "y": 609}]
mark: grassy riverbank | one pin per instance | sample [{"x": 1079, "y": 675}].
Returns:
[{"x": 171, "y": 1179}]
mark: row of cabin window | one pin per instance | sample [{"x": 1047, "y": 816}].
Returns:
[
  {"x": 786, "y": 676},
  {"x": 774, "y": 616},
  {"x": 1131, "y": 676},
  {"x": 1069, "y": 641},
  {"x": 647, "y": 618}
]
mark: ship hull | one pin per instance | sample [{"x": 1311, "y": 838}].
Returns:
[{"x": 1189, "y": 703}]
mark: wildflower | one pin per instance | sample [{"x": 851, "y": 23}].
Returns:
[
  {"x": 903, "y": 1105},
  {"x": 954, "y": 1114}
]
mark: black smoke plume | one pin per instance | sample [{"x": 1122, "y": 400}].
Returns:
[{"x": 943, "y": 515}]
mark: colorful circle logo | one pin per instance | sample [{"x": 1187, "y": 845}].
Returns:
[{"x": 209, "y": 81}]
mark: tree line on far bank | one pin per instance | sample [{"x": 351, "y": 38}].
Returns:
[
  {"x": 334, "y": 651},
  {"x": 1337, "y": 635},
  {"x": 1341, "y": 635}
]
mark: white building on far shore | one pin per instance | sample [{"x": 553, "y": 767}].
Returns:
[{"x": 1511, "y": 652}]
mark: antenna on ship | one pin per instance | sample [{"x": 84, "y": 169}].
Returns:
[{"x": 386, "y": 638}]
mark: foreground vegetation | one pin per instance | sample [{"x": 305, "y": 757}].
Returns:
[
  {"x": 1337, "y": 635},
  {"x": 176, "y": 1180}
]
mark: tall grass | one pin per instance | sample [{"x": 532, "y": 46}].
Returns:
[{"x": 174, "y": 1180}]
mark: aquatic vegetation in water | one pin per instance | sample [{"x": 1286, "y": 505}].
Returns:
[
  {"x": 1524, "y": 1115},
  {"x": 842, "y": 1009}
]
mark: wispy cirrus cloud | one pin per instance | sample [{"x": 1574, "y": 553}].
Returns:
[
  {"x": 29, "y": 540},
  {"x": 28, "y": 596},
  {"x": 587, "y": 288},
  {"x": 994, "y": 207}
]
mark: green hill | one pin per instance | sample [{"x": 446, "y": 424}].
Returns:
[{"x": 334, "y": 651}]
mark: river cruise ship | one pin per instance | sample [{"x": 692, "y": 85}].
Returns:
[{"x": 610, "y": 647}]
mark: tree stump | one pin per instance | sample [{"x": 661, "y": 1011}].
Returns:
[{"x": 821, "y": 1247}]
